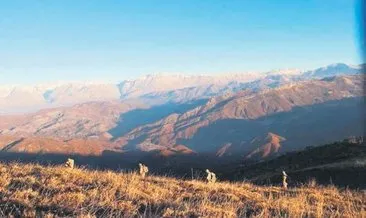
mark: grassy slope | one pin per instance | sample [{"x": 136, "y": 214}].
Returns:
[
  {"x": 340, "y": 162},
  {"x": 26, "y": 189}
]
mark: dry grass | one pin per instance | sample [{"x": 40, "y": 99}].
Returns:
[{"x": 30, "y": 190}]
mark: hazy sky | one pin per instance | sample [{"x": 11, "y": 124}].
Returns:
[{"x": 113, "y": 40}]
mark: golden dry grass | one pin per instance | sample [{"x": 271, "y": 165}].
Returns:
[{"x": 30, "y": 190}]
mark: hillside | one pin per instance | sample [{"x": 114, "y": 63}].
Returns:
[
  {"x": 33, "y": 190},
  {"x": 45, "y": 145},
  {"x": 342, "y": 163}
]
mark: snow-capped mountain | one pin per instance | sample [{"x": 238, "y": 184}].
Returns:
[
  {"x": 332, "y": 70},
  {"x": 154, "y": 89}
]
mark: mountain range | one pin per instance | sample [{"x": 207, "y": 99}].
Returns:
[
  {"x": 250, "y": 116},
  {"x": 232, "y": 121},
  {"x": 153, "y": 89}
]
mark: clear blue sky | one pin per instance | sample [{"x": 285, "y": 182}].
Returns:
[{"x": 52, "y": 40}]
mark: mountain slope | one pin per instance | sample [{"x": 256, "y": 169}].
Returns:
[
  {"x": 93, "y": 119},
  {"x": 267, "y": 146}
]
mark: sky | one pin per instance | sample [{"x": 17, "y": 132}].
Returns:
[{"x": 72, "y": 40}]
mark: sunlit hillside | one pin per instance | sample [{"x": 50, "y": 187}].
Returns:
[{"x": 34, "y": 190}]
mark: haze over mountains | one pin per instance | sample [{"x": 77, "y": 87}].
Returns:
[
  {"x": 153, "y": 89},
  {"x": 251, "y": 115}
]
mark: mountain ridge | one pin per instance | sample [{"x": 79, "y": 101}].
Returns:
[
  {"x": 245, "y": 105},
  {"x": 20, "y": 99}
]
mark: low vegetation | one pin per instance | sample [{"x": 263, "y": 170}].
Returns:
[
  {"x": 340, "y": 163},
  {"x": 34, "y": 190}
]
